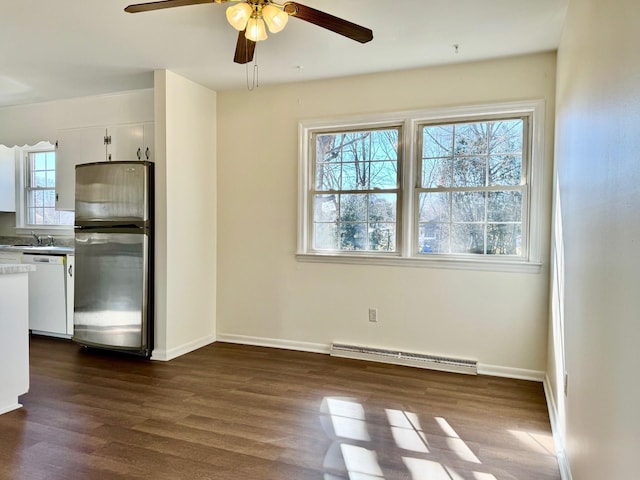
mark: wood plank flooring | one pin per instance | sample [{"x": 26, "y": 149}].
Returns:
[{"x": 240, "y": 412}]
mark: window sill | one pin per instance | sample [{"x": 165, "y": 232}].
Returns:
[{"x": 518, "y": 266}]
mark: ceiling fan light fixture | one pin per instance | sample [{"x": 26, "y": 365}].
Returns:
[
  {"x": 239, "y": 14},
  {"x": 275, "y": 18},
  {"x": 256, "y": 30}
]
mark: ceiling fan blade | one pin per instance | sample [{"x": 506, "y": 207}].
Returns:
[
  {"x": 325, "y": 20},
  {"x": 244, "y": 49},
  {"x": 145, "y": 7}
]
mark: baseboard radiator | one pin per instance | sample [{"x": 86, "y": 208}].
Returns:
[{"x": 397, "y": 357}]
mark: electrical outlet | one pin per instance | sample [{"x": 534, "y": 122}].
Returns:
[{"x": 373, "y": 314}]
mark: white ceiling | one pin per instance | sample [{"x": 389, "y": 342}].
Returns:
[{"x": 53, "y": 49}]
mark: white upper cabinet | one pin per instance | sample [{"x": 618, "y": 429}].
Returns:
[
  {"x": 149, "y": 139},
  {"x": 7, "y": 179},
  {"x": 68, "y": 153},
  {"x": 128, "y": 142}
]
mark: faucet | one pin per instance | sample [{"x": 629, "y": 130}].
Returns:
[
  {"x": 37, "y": 237},
  {"x": 50, "y": 240}
]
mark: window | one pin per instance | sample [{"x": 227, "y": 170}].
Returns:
[
  {"x": 356, "y": 190},
  {"x": 472, "y": 191},
  {"x": 455, "y": 187},
  {"x": 40, "y": 191}
]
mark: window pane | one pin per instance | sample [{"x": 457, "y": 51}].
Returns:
[
  {"x": 383, "y": 175},
  {"x": 325, "y": 148},
  {"x": 384, "y": 144},
  {"x": 362, "y": 160},
  {"x": 434, "y": 207},
  {"x": 467, "y": 238},
  {"x": 39, "y": 161},
  {"x": 353, "y": 208},
  {"x": 437, "y": 141},
  {"x": 37, "y": 198},
  {"x": 504, "y": 239},
  {"x": 354, "y": 176},
  {"x": 325, "y": 208},
  {"x": 325, "y": 236},
  {"x": 433, "y": 238},
  {"x": 382, "y": 207},
  {"x": 470, "y": 139},
  {"x": 328, "y": 176},
  {"x": 506, "y": 136},
  {"x": 468, "y": 207},
  {"x": 504, "y": 206},
  {"x": 505, "y": 170},
  {"x": 49, "y": 198},
  {"x": 382, "y": 237},
  {"x": 469, "y": 172},
  {"x": 50, "y": 160},
  {"x": 51, "y": 179},
  {"x": 39, "y": 179},
  {"x": 50, "y": 216},
  {"x": 436, "y": 172},
  {"x": 353, "y": 236}
]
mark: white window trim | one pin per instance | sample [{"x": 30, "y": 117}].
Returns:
[
  {"x": 410, "y": 120},
  {"x": 22, "y": 228}
]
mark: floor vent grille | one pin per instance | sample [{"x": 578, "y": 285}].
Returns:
[{"x": 398, "y": 357}]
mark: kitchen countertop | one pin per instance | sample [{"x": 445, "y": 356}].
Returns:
[
  {"x": 12, "y": 268},
  {"x": 55, "y": 250}
]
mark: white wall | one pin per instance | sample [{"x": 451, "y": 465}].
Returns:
[
  {"x": 264, "y": 293},
  {"x": 598, "y": 174},
  {"x": 186, "y": 215}
]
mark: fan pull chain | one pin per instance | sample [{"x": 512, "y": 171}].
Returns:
[{"x": 254, "y": 78}]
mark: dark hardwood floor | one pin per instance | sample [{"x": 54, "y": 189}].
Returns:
[{"x": 239, "y": 412}]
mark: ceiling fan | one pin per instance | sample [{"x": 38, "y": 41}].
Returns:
[{"x": 249, "y": 17}]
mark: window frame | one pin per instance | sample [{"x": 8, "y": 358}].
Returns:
[
  {"x": 398, "y": 191},
  {"x": 523, "y": 187},
  {"x": 408, "y": 165},
  {"x": 22, "y": 192}
]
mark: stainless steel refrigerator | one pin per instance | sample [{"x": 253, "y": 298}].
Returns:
[{"x": 113, "y": 287}]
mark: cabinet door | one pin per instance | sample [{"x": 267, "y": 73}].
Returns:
[
  {"x": 75, "y": 146},
  {"x": 93, "y": 147},
  {"x": 126, "y": 142},
  {"x": 149, "y": 139},
  {"x": 69, "y": 274},
  {"x": 7, "y": 179},
  {"x": 68, "y": 154}
]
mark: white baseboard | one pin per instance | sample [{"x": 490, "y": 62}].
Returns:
[
  {"x": 509, "y": 372},
  {"x": 558, "y": 438},
  {"x": 274, "y": 343},
  {"x": 483, "y": 369},
  {"x": 166, "y": 355}
]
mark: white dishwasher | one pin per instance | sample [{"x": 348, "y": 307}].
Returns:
[{"x": 47, "y": 294}]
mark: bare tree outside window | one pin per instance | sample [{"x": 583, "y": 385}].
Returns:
[
  {"x": 472, "y": 190},
  {"x": 355, "y": 199}
]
